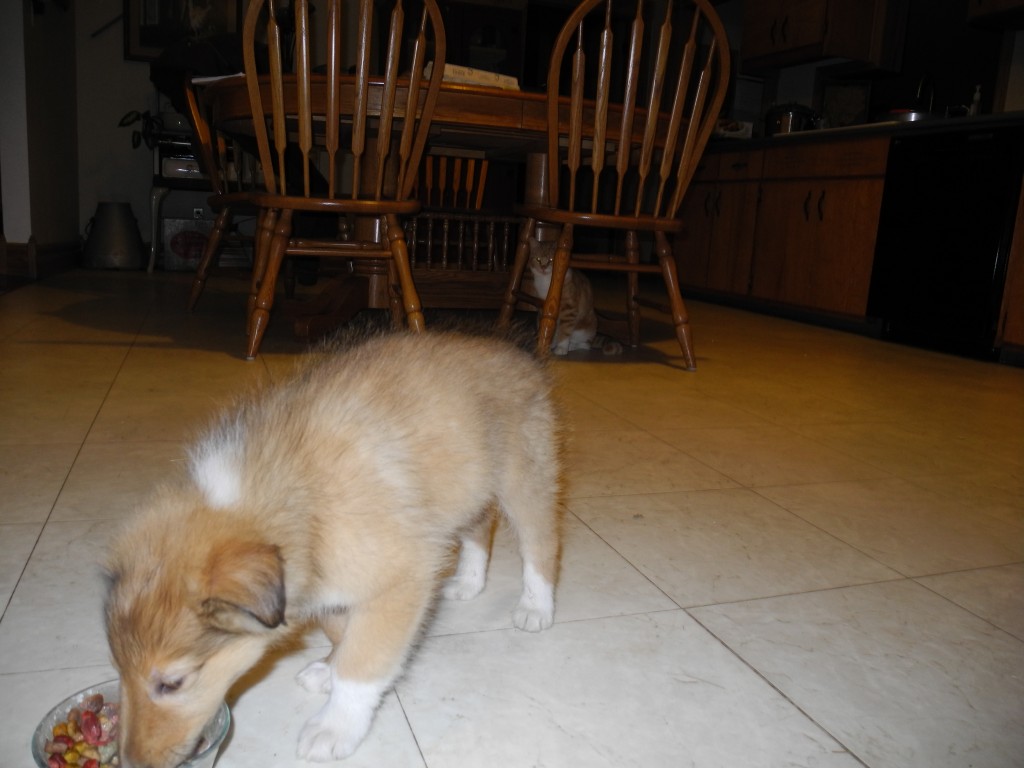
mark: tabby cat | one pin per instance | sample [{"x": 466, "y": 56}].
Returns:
[{"x": 577, "y": 320}]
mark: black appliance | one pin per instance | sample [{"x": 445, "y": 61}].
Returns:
[{"x": 944, "y": 236}]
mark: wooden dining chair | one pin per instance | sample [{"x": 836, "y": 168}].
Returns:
[
  {"x": 460, "y": 248},
  {"x": 628, "y": 177},
  {"x": 366, "y": 131},
  {"x": 233, "y": 173}
]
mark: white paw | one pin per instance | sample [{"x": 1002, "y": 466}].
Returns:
[
  {"x": 459, "y": 587},
  {"x": 536, "y": 609},
  {"x": 531, "y": 619},
  {"x": 321, "y": 742},
  {"x": 562, "y": 348},
  {"x": 470, "y": 575},
  {"x": 337, "y": 730},
  {"x": 315, "y": 678}
]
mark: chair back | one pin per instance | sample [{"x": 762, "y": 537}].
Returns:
[
  {"x": 453, "y": 231},
  {"x": 451, "y": 181},
  {"x": 362, "y": 118},
  {"x": 674, "y": 63}
]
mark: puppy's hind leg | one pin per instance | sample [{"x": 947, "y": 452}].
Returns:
[
  {"x": 533, "y": 510},
  {"x": 363, "y": 667},
  {"x": 474, "y": 555}
]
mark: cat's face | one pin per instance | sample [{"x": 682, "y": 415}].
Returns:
[
  {"x": 540, "y": 264},
  {"x": 541, "y": 256}
]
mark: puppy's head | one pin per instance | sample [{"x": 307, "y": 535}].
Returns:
[{"x": 194, "y": 601}]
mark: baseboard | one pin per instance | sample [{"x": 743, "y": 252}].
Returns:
[{"x": 31, "y": 261}]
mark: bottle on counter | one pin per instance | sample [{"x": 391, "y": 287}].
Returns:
[{"x": 975, "y": 102}]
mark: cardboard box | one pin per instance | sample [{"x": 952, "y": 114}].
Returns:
[{"x": 183, "y": 242}]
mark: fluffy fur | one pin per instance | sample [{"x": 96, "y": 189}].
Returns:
[
  {"x": 577, "y": 316},
  {"x": 334, "y": 498}
]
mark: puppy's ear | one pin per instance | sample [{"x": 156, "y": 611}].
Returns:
[{"x": 244, "y": 587}]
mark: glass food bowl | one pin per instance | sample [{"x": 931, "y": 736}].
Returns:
[{"x": 214, "y": 732}]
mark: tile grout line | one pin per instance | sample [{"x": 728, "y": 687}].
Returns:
[
  {"x": 71, "y": 466},
  {"x": 779, "y": 691}
]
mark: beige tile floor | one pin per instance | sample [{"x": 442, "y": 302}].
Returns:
[{"x": 808, "y": 553}]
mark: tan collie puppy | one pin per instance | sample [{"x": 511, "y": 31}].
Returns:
[{"x": 335, "y": 497}]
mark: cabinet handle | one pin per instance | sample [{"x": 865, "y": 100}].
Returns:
[
  {"x": 739, "y": 164},
  {"x": 807, "y": 206},
  {"x": 772, "y": 31},
  {"x": 821, "y": 206}
]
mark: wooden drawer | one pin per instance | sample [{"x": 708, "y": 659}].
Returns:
[
  {"x": 740, "y": 166},
  {"x": 856, "y": 157}
]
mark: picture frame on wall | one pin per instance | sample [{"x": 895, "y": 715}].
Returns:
[{"x": 151, "y": 26}]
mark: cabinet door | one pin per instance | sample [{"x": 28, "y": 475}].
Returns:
[
  {"x": 784, "y": 242},
  {"x": 693, "y": 247},
  {"x": 732, "y": 240},
  {"x": 779, "y": 33},
  {"x": 760, "y": 27},
  {"x": 816, "y": 243},
  {"x": 801, "y": 24},
  {"x": 845, "y": 216},
  {"x": 777, "y": 26}
]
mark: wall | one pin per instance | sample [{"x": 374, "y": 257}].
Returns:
[
  {"x": 51, "y": 119},
  {"x": 108, "y": 87},
  {"x": 17, "y": 225}
]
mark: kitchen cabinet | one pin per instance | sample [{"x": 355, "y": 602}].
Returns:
[
  {"x": 692, "y": 250},
  {"x": 778, "y": 33},
  {"x": 720, "y": 210},
  {"x": 817, "y": 223}
]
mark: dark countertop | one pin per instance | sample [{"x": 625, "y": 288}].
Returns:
[{"x": 892, "y": 128}]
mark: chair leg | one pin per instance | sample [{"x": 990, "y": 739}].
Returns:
[
  {"x": 633, "y": 289},
  {"x": 553, "y": 301},
  {"x": 400, "y": 259},
  {"x": 680, "y": 317},
  {"x": 265, "y": 297},
  {"x": 220, "y": 226},
  {"x": 395, "y": 298},
  {"x": 515, "y": 275},
  {"x": 265, "y": 224}
]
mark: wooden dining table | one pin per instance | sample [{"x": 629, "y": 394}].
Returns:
[
  {"x": 498, "y": 123},
  {"x": 501, "y": 123}
]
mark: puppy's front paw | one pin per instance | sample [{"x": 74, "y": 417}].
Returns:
[
  {"x": 321, "y": 742},
  {"x": 315, "y": 678},
  {"x": 531, "y": 618},
  {"x": 339, "y": 728}
]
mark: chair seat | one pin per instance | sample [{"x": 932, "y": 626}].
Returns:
[{"x": 607, "y": 221}]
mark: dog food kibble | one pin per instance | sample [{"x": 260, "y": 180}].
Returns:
[{"x": 87, "y": 739}]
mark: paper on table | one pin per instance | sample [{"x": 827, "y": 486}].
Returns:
[{"x": 456, "y": 73}]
